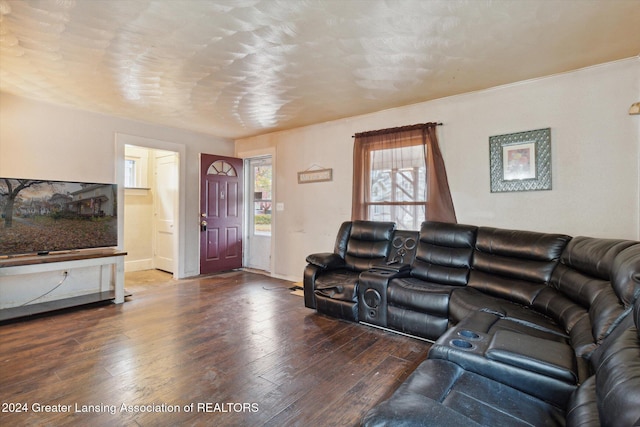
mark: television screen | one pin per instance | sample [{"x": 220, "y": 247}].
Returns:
[{"x": 38, "y": 216}]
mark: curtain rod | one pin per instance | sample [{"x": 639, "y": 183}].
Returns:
[{"x": 396, "y": 129}]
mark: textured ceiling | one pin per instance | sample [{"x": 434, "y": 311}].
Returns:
[{"x": 244, "y": 67}]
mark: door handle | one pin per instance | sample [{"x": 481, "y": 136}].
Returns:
[{"x": 203, "y": 226}]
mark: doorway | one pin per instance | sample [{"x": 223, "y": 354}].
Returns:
[
  {"x": 151, "y": 199},
  {"x": 221, "y": 198},
  {"x": 259, "y": 173}
]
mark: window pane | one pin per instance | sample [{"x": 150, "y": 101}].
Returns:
[
  {"x": 398, "y": 175},
  {"x": 406, "y": 217},
  {"x": 130, "y": 173},
  {"x": 262, "y": 199}
]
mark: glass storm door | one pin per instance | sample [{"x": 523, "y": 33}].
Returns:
[{"x": 259, "y": 219}]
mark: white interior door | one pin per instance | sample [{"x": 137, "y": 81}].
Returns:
[
  {"x": 258, "y": 248},
  {"x": 165, "y": 201}
]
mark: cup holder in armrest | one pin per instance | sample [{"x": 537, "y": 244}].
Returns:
[
  {"x": 468, "y": 334},
  {"x": 463, "y": 344}
]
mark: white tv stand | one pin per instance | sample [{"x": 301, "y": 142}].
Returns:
[{"x": 110, "y": 261}]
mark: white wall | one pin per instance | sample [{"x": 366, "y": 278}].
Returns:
[
  {"x": 595, "y": 160},
  {"x": 38, "y": 140}
]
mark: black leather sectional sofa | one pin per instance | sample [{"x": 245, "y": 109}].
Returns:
[{"x": 528, "y": 328}]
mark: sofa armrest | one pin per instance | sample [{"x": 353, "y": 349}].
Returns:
[
  {"x": 326, "y": 260},
  {"x": 394, "y": 266},
  {"x": 549, "y": 358},
  {"x": 469, "y": 349}
]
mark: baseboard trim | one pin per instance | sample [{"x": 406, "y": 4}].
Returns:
[{"x": 138, "y": 265}]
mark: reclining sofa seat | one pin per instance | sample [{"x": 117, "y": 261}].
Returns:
[
  {"x": 331, "y": 279},
  {"x": 567, "y": 297},
  {"x": 509, "y": 269},
  {"x": 442, "y": 393},
  {"x": 578, "y": 305},
  {"x": 548, "y": 368},
  {"x": 419, "y": 304}
]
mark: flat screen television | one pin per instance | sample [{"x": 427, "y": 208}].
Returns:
[{"x": 40, "y": 217}]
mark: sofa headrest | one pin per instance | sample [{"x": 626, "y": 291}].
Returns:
[
  {"x": 369, "y": 242},
  {"x": 529, "y": 245},
  {"x": 625, "y": 274},
  {"x": 593, "y": 256},
  {"x": 447, "y": 234},
  {"x": 372, "y": 230}
]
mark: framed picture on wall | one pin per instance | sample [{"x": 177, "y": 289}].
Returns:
[{"x": 521, "y": 161}]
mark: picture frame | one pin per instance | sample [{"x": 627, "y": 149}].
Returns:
[
  {"x": 520, "y": 161},
  {"x": 316, "y": 175}
]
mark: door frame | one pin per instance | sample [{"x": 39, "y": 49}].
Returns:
[
  {"x": 245, "y": 155},
  {"x": 121, "y": 140}
]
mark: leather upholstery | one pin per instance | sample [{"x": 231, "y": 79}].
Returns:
[
  {"x": 530, "y": 328},
  {"x": 368, "y": 244},
  {"x": 443, "y": 393},
  {"x": 587, "y": 303},
  {"x": 625, "y": 274},
  {"x": 340, "y": 247},
  {"x": 514, "y": 265},
  {"x": 611, "y": 397},
  {"x": 444, "y": 253},
  {"x": 331, "y": 280},
  {"x": 420, "y": 304},
  {"x": 327, "y": 261},
  {"x": 543, "y": 368}
]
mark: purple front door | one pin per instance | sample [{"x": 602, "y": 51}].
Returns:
[{"x": 221, "y": 192}]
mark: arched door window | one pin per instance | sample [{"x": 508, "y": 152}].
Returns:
[{"x": 220, "y": 167}]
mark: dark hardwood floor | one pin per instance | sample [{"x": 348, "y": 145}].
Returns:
[{"x": 237, "y": 346}]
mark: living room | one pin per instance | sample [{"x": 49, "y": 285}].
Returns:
[{"x": 595, "y": 157}]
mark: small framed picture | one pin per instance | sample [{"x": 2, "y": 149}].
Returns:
[
  {"x": 521, "y": 161},
  {"x": 316, "y": 175}
]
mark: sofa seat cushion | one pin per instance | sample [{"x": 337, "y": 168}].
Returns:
[
  {"x": 335, "y": 308},
  {"x": 418, "y": 295},
  {"x": 442, "y": 393},
  {"x": 338, "y": 284},
  {"x": 544, "y": 357},
  {"x": 506, "y": 315}
]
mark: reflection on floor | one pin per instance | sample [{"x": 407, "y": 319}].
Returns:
[
  {"x": 232, "y": 339},
  {"x": 137, "y": 281}
]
